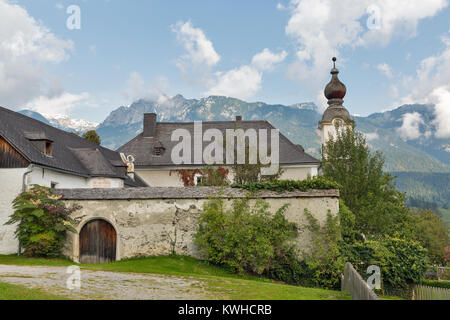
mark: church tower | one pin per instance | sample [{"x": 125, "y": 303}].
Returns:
[{"x": 335, "y": 114}]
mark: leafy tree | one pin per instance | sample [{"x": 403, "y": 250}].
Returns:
[
  {"x": 367, "y": 191},
  {"x": 250, "y": 173},
  {"x": 92, "y": 136},
  {"x": 432, "y": 234},
  {"x": 403, "y": 262},
  {"x": 43, "y": 220}
]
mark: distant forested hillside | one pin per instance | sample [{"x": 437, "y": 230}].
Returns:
[{"x": 425, "y": 187}]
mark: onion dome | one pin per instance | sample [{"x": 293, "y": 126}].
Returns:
[{"x": 335, "y": 90}]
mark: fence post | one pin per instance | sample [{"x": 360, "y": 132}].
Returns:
[{"x": 355, "y": 284}]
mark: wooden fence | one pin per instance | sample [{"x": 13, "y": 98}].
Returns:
[
  {"x": 355, "y": 284},
  {"x": 430, "y": 293}
]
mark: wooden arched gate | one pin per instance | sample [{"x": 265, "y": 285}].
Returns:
[{"x": 97, "y": 242}]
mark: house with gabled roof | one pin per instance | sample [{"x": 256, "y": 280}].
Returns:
[
  {"x": 32, "y": 152},
  {"x": 152, "y": 150}
]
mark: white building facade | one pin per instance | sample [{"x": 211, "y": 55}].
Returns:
[{"x": 34, "y": 153}]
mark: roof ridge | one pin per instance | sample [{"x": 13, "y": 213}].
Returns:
[
  {"x": 70, "y": 134},
  {"x": 215, "y": 121}
]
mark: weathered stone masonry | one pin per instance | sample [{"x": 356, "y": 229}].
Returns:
[{"x": 146, "y": 219}]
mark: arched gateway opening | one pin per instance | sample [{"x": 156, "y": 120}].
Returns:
[{"x": 97, "y": 242}]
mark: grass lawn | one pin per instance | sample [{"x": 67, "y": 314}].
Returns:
[
  {"x": 222, "y": 282},
  {"x": 25, "y": 261},
  {"x": 13, "y": 292}
]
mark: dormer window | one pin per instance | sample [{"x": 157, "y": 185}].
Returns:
[
  {"x": 158, "y": 149},
  {"x": 48, "y": 148},
  {"x": 41, "y": 142}
]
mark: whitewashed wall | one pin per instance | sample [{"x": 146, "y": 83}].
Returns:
[
  {"x": 45, "y": 177},
  {"x": 163, "y": 178},
  {"x": 10, "y": 187}
]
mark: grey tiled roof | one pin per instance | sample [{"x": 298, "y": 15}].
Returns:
[
  {"x": 70, "y": 153},
  {"x": 142, "y": 148},
  {"x": 136, "y": 183}
]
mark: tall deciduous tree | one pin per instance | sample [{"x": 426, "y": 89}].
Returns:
[
  {"x": 432, "y": 234},
  {"x": 92, "y": 136},
  {"x": 368, "y": 192}
]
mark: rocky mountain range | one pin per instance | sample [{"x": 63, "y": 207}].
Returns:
[
  {"x": 62, "y": 122},
  {"x": 425, "y": 154},
  {"x": 298, "y": 122}
]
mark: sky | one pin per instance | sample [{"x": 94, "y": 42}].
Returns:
[{"x": 85, "y": 58}]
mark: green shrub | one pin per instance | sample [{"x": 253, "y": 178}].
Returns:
[
  {"x": 347, "y": 222},
  {"x": 43, "y": 221},
  {"x": 323, "y": 257},
  {"x": 432, "y": 233},
  {"x": 246, "y": 237},
  {"x": 292, "y": 271},
  {"x": 318, "y": 183},
  {"x": 324, "y": 263},
  {"x": 437, "y": 284},
  {"x": 402, "y": 262}
]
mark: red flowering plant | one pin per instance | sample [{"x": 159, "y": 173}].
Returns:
[
  {"x": 42, "y": 221},
  {"x": 210, "y": 176},
  {"x": 187, "y": 176}
]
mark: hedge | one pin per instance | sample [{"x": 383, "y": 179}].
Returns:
[
  {"x": 317, "y": 183},
  {"x": 436, "y": 283}
]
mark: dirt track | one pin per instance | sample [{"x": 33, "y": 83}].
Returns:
[{"x": 105, "y": 285}]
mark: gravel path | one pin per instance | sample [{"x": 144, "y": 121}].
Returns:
[{"x": 105, "y": 285}]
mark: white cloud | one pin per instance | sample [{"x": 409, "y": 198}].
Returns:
[
  {"x": 394, "y": 91},
  {"x": 410, "y": 128},
  {"x": 200, "y": 59},
  {"x": 200, "y": 54},
  {"x": 266, "y": 60},
  {"x": 385, "y": 69},
  {"x": 60, "y": 104},
  {"x": 245, "y": 81},
  {"x": 26, "y": 47},
  {"x": 241, "y": 83},
  {"x": 433, "y": 72},
  {"x": 136, "y": 88},
  {"x": 371, "y": 136},
  {"x": 441, "y": 97},
  {"x": 431, "y": 85},
  {"x": 321, "y": 28}
]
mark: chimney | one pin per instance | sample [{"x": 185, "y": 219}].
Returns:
[
  {"x": 149, "y": 124},
  {"x": 238, "y": 118}
]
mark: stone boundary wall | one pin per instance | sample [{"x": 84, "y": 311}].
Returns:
[{"x": 146, "y": 219}]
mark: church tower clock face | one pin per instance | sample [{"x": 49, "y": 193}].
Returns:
[{"x": 338, "y": 122}]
